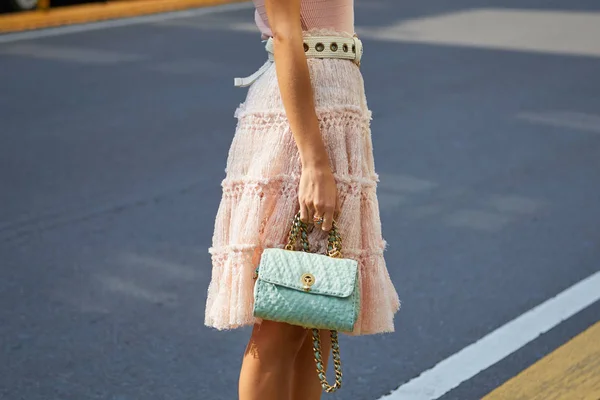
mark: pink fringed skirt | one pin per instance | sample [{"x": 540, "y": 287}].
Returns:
[{"x": 260, "y": 195}]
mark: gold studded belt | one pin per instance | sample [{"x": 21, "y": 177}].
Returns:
[{"x": 314, "y": 47}]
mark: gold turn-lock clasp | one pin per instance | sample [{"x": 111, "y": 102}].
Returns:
[{"x": 307, "y": 281}]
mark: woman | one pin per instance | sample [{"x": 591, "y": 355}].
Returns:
[{"x": 302, "y": 142}]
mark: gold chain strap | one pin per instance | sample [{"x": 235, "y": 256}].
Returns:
[
  {"x": 334, "y": 249},
  {"x": 337, "y": 362},
  {"x": 334, "y": 240}
]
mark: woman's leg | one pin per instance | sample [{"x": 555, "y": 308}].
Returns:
[
  {"x": 305, "y": 383},
  {"x": 268, "y": 362}
]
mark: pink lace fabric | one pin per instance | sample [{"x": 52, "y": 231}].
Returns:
[{"x": 260, "y": 194}]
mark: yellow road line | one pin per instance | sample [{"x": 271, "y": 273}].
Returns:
[
  {"x": 96, "y": 12},
  {"x": 571, "y": 372}
]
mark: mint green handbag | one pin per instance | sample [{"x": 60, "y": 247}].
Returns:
[{"x": 311, "y": 290}]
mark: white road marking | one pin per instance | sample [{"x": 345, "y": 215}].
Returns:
[
  {"x": 448, "y": 374},
  {"x": 553, "y": 32},
  {"x": 564, "y": 119},
  {"x": 117, "y": 23},
  {"x": 69, "y": 53}
]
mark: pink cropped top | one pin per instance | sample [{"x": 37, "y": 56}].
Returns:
[{"x": 333, "y": 14}]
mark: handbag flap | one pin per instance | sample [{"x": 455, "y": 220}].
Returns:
[{"x": 329, "y": 276}]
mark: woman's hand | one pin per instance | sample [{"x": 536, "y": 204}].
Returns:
[{"x": 318, "y": 196}]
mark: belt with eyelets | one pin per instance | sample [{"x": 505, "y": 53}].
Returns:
[{"x": 314, "y": 47}]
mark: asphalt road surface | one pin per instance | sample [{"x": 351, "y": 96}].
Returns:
[{"x": 486, "y": 129}]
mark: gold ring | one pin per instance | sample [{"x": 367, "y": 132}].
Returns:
[{"x": 318, "y": 220}]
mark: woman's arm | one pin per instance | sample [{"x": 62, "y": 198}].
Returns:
[{"x": 317, "y": 192}]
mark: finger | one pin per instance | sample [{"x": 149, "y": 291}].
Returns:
[
  {"x": 312, "y": 212},
  {"x": 318, "y": 212},
  {"x": 327, "y": 220},
  {"x": 318, "y": 221},
  {"x": 305, "y": 215}
]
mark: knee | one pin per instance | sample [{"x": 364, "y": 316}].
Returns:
[{"x": 276, "y": 340}]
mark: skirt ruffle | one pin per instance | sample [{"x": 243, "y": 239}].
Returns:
[{"x": 260, "y": 195}]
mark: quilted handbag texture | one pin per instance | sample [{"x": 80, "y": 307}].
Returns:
[{"x": 307, "y": 289}]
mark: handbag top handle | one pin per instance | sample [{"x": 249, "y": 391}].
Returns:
[{"x": 300, "y": 228}]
